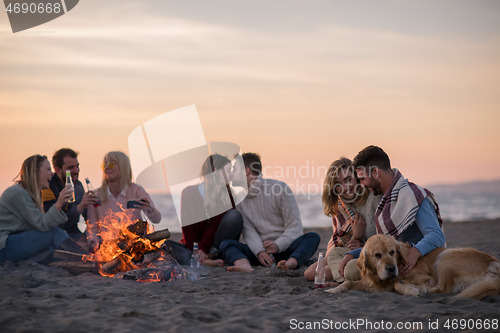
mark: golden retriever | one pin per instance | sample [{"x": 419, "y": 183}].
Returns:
[{"x": 471, "y": 273}]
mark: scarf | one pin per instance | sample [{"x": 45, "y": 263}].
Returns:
[{"x": 399, "y": 206}]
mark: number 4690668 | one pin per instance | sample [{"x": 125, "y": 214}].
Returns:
[{"x": 33, "y": 8}]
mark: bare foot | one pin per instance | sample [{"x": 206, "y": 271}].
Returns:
[
  {"x": 289, "y": 264},
  {"x": 240, "y": 265},
  {"x": 331, "y": 284},
  {"x": 213, "y": 263}
]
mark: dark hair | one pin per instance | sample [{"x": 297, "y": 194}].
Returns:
[
  {"x": 58, "y": 158},
  {"x": 252, "y": 161},
  {"x": 372, "y": 156}
]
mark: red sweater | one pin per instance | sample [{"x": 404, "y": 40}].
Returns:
[{"x": 202, "y": 232}]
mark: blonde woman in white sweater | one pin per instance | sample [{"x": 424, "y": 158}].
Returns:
[{"x": 352, "y": 209}]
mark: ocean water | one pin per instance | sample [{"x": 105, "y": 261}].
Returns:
[{"x": 455, "y": 207}]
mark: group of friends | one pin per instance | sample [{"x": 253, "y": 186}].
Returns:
[{"x": 363, "y": 197}]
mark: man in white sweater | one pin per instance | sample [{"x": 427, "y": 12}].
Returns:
[{"x": 271, "y": 225}]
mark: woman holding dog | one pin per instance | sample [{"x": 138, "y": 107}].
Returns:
[
  {"x": 116, "y": 189},
  {"x": 352, "y": 209}
]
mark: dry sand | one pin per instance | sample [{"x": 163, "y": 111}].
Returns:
[{"x": 36, "y": 298}]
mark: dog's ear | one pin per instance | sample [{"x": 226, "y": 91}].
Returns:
[
  {"x": 401, "y": 253},
  {"x": 363, "y": 262}
]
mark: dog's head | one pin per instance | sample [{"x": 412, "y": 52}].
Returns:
[{"x": 380, "y": 257}]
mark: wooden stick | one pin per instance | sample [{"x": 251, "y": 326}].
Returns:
[{"x": 158, "y": 235}]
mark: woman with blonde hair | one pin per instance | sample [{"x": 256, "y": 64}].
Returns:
[
  {"x": 26, "y": 232},
  {"x": 116, "y": 189},
  {"x": 352, "y": 209},
  {"x": 207, "y": 214}
]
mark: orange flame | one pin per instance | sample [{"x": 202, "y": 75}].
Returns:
[{"x": 121, "y": 246}]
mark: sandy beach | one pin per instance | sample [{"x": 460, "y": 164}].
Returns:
[{"x": 36, "y": 298}]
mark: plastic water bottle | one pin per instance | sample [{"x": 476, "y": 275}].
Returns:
[
  {"x": 91, "y": 188},
  {"x": 69, "y": 183},
  {"x": 274, "y": 260},
  {"x": 319, "y": 278},
  {"x": 195, "y": 257}
]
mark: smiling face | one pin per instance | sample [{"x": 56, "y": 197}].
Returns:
[
  {"x": 70, "y": 164},
  {"x": 45, "y": 174},
  {"x": 111, "y": 169},
  {"x": 345, "y": 184},
  {"x": 370, "y": 179}
]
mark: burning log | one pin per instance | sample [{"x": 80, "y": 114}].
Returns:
[
  {"x": 135, "y": 251},
  {"x": 158, "y": 235}
]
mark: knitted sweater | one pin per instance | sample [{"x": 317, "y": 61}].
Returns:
[
  {"x": 116, "y": 205},
  {"x": 270, "y": 212},
  {"x": 19, "y": 213}
]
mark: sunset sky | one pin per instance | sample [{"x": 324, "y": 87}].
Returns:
[{"x": 300, "y": 82}]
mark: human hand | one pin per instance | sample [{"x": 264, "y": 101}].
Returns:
[
  {"x": 202, "y": 255},
  {"x": 358, "y": 226},
  {"x": 265, "y": 259},
  {"x": 348, "y": 257},
  {"x": 354, "y": 244},
  {"x": 88, "y": 198},
  {"x": 411, "y": 261},
  {"x": 270, "y": 246},
  {"x": 64, "y": 196},
  {"x": 144, "y": 205}
]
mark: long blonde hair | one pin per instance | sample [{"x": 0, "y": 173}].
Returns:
[
  {"x": 125, "y": 172},
  {"x": 330, "y": 197},
  {"x": 29, "y": 178},
  {"x": 213, "y": 189}
]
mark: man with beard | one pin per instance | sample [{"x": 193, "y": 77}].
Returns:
[
  {"x": 66, "y": 159},
  {"x": 406, "y": 211},
  {"x": 272, "y": 228}
]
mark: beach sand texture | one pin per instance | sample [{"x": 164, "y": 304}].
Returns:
[{"x": 36, "y": 298}]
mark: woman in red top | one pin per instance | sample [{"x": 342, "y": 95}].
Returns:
[{"x": 208, "y": 216}]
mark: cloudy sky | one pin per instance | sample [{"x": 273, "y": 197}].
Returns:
[{"x": 300, "y": 82}]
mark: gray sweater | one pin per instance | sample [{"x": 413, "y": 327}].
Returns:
[
  {"x": 270, "y": 212},
  {"x": 19, "y": 213}
]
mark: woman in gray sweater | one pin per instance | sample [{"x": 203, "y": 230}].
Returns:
[{"x": 26, "y": 232}]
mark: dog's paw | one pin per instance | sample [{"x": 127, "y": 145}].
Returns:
[
  {"x": 337, "y": 290},
  {"x": 407, "y": 289}
]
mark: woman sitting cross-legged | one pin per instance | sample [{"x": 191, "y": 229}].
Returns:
[{"x": 26, "y": 232}]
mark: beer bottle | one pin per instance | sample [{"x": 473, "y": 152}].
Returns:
[
  {"x": 91, "y": 188},
  {"x": 319, "y": 278},
  {"x": 69, "y": 182},
  {"x": 195, "y": 257}
]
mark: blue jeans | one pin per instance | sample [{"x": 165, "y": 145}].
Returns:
[
  {"x": 301, "y": 249},
  {"x": 229, "y": 228},
  {"x": 22, "y": 245}
]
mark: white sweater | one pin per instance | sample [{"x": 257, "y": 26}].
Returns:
[{"x": 270, "y": 212}]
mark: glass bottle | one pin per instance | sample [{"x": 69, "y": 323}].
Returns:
[
  {"x": 195, "y": 257},
  {"x": 319, "y": 278},
  {"x": 91, "y": 188},
  {"x": 69, "y": 182}
]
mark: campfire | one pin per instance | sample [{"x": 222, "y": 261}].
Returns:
[{"x": 132, "y": 249}]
